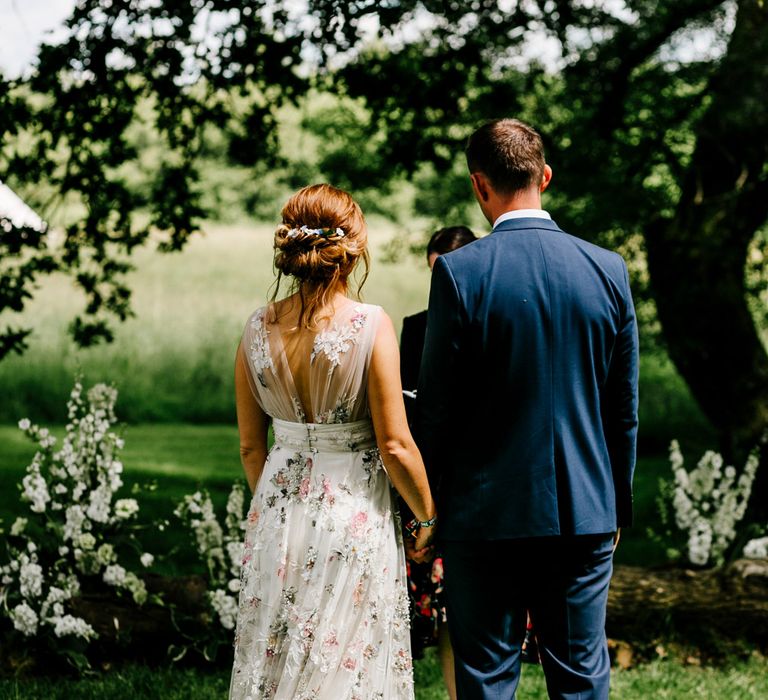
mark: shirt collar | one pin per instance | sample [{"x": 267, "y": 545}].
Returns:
[{"x": 522, "y": 214}]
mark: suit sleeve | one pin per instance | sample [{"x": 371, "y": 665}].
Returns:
[
  {"x": 439, "y": 367},
  {"x": 619, "y": 407}
]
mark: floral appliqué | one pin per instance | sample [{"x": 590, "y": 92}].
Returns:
[
  {"x": 340, "y": 413},
  {"x": 259, "y": 349},
  {"x": 333, "y": 343}
]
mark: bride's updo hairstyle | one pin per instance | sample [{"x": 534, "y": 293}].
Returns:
[{"x": 320, "y": 241}]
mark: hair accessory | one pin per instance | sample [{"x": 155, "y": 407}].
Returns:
[{"x": 322, "y": 232}]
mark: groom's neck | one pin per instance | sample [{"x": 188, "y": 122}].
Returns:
[{"x": 525, "y": 199}]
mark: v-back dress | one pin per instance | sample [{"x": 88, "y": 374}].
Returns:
[{"x": 323, "y": 611}]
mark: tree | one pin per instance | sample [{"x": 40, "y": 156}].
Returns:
[{"x": 648, "y": 136}]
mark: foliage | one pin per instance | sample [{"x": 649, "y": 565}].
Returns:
[
  {"x": 184, "y": 66},
  {"x": 77, "y": 535},
  {"x": 220, "y": 549},
  {"x": 702, "y": 507}
]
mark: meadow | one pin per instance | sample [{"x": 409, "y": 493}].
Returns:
[{"x": 173, "y": 361}]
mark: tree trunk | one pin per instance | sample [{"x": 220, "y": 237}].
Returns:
[{"x": 696, "y": 257}]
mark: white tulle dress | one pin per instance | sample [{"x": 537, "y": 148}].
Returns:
[{"x": 323, "y": 610}]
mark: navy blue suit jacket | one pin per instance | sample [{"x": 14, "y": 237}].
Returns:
[{"x": 527, "y": 394}]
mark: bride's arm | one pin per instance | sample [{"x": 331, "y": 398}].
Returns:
[
  {"x": 398, "y": 450},
  {"x": 252, "y": 423}
]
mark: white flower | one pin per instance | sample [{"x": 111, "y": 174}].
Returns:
[
  {"x": 86, "y": 541},
  {"x": 126, "y": 507},
  {"x": 35, "y": 490},
  {"x": 235, "y": 522},
  {"x": 235, "y": 555},
  {"x": 225, "y": 607},
  {"x": 69, "y": 626},
  {"x": 30, "y": 578},
  {"x": 114, "y": 575},
  {"x": 75, "y": 519},
  {"x": 19, "y": 525},
  {"x": 105, "y": 554},
  {"x": 756, "y": 549},
  {"x": 24, "y": 619},
  {"x": 25, "y": 424},
  {"x": 98, "y": 509},
  {"x": 234, "y": 585},
  {"x": 147, "y": 559},
  {"x": 136, "y": 587}
]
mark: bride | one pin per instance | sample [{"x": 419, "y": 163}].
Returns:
[{"x": 323, "y": 610}]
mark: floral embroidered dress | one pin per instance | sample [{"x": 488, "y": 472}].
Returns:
[{"x": 323, "y": 610}]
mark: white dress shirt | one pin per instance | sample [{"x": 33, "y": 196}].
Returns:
[{"x": 522, "y": 214}]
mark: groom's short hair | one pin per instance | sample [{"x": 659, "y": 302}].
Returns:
[{"x": 509, "y": 153}]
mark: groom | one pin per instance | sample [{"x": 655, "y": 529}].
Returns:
[{"x": 528, "y": 422}]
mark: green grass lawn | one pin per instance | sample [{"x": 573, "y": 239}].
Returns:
[{"x": 659, "y": 680}]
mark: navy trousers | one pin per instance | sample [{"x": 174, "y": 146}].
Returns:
[{"x": 561, "y": 581}]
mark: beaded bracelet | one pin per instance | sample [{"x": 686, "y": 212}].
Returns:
[{"x": 415, "y": 524}]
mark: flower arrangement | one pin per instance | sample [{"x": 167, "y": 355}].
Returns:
[
  {"x": 704, "y": 505},
  {"x": 77, "y": 532},
  {"x": 221, "y": 551}
]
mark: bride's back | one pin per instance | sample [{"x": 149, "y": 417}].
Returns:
[{"x": 315, "y": 374}]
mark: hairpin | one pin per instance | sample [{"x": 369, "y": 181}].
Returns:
[{"x": 324, "y": 232}]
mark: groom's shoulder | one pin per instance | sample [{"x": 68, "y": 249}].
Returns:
[{"x": 607, "y": 258}]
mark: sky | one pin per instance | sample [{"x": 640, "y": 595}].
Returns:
[{"x": 24, "y": 24}]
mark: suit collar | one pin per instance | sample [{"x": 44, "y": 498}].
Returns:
[{"x": 526, "y": 223}]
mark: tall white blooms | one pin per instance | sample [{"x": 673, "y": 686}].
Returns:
[
  {"x": 708, "y": 502},
  {"x": 70, "y": 491},
  {"x": 220, "y": 548}
]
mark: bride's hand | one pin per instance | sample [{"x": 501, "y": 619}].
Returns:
[{"x": 424, "y": 538}]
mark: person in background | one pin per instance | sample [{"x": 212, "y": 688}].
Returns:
[
  {"x": 425, "y": 579},
  {"x": 415, "y": 327}
]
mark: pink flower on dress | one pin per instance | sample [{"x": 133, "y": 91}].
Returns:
[
  {"x": 330, "y": 640},
  {"x": 253, "y": 517},
  {"x": 304, "y": 488},
  {"x": 349, "y": 663},
  {"x": 358, "y": 525},
  {"x": 281, "y": 572},
  {"x": 328, "y": 490},
  {"x": 357, "y": 594}
]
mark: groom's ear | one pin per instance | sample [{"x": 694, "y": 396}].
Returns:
[
  {"x": 546, "y": 178},
  {"x": 480, "y": 186}
]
